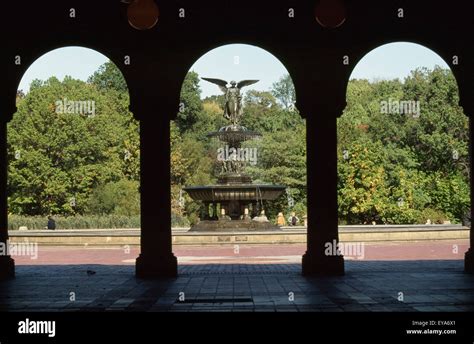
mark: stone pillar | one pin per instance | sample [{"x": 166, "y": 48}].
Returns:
[
  {"x": 215, "y": 215},
  {"x": 321, "y": 126},
  {"x": 469, "y": 255},
  {"x": 7, "y": 264},
  {"x": 205, "y": 211},
  {"x": 224, "y": 210},
  {"x": 254, "y": 210},
  {"x": 156, "y": 259}
]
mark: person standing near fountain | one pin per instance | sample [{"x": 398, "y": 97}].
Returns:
[
  {"x": 293, "y": 219},
  {"x": 281, "y": 220}
]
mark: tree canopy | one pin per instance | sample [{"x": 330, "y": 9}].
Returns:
[
  {"x": 393, "y": 166},
  {"x": 57, "y": 159},
  {"x": 403, "y": 167}
]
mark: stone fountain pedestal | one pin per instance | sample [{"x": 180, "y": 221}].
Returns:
[
  {"x": 240, "y": 206},
  {"x": 233, "y": 226},
  {"x": 241, "y": 202}
]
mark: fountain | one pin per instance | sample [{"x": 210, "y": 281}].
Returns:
[{"x": 241, "y": 202}]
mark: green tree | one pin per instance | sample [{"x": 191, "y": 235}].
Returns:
[
  {"x": 117, "y": 198},
  {"x": 284, "y": 91},
  {"x": 363, "y": 195},
  {"x": 56, "y": 159},
  {"x": 424, "y": 158},
  {"x": 108, "y": 77},
  {"x": 191, "y": 104}
]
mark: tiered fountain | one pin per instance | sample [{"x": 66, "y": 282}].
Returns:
[{"x": 239, "y": 199}]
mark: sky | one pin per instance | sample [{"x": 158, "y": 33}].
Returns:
[
  {"x": 77, "y": 62},
  {"x": 395, "y": 60},
  {"x": 238, "y": 62}
]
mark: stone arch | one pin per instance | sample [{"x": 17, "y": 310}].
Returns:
[
  {"x": 30, "y": 56},
  {"x": 437, "y": 49},
  {"x": 258, "y": 50},
  {"x": 17, "y": 75},
  {"x": 460, "y": 73}
]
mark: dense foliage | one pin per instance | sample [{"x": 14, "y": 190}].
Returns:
[
  {"x": 400, "y": 167},
  {"x": 393, "y": 167},
  {"x": 281, "y": 151},
  {"x": 63, "y": 162},
  {"x": 75, "y": 222}
]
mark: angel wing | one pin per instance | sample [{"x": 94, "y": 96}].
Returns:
[
  {"x": 219, "y": 82},
  {"x": 244, "y": 83}
]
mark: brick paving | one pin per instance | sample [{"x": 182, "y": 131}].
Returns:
[
  {"x": 245, "y": 254},
  {"x": 369, "y": 286}
]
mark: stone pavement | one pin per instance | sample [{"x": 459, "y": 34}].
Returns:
[
  {"x": 242, "y": 253},
  {"x": 430, "y": 285}
]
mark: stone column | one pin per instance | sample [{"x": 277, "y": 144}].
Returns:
[
  {"x": 321, "y": 121},
  {"x": 469, "y": 255},
  {"x": 205, "y": 211},
  {"x": 7, "y": 264},
  {"x": 215, "y": 215},
  {"x": 156, "y": 258},
  {"x": 254, "y": 210}
]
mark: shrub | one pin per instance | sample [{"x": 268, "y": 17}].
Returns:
[
  {"x": 75, "y": 222},
  {"x": 435, "y": 215},
  {"x": 119, "y": 198}
]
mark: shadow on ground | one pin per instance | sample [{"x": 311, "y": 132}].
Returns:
[{"x": 434, "y": 285}]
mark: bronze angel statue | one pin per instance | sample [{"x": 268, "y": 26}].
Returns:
[{"x": 233, "y": 98}]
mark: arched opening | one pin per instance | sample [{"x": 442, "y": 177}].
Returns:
[
  {"x": 73, "y": 162},
  {"x": 403, "y": 158},
  {"x": 238, "y": 167}
]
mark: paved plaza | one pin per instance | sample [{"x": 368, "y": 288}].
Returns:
[
  {"x": 243, "y": 253},
  {"x": 258, "y": 279}
]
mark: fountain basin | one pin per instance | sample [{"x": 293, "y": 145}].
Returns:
[{"x": 236, "y": 192}]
